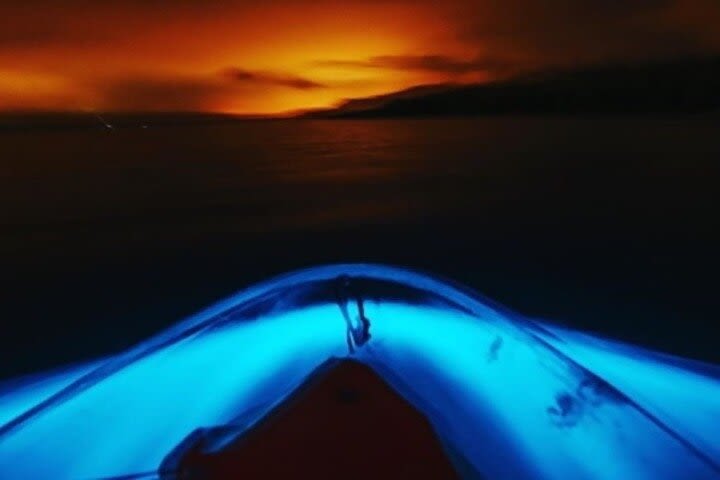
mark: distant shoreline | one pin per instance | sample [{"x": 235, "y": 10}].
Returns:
[
  {"x": 64, "y": 122},
  {"x": 33, "y": 121},
  {"x": 685, "y": 87}
]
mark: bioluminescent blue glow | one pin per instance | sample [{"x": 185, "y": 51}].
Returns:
[{"x": 511, "y": 397}]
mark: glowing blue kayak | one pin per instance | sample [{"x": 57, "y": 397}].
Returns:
[{"x": 509, "y": 396}]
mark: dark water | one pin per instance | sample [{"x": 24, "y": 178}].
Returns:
[{"x": 608, "y": 224}]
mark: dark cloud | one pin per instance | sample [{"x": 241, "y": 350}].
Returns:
[
  {"x": 513, "y": 36},
  {"x": 243, "y": 76},
  {"x": 424, "y": 63},
  {"x": 570, "y": 32},
  {"x": 161, "y": 94},
  {"x": 190, "y": 93}
]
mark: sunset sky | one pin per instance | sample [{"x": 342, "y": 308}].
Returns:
[{"x": 269, "y": 56}]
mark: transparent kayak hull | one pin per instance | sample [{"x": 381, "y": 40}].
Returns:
[{"x": 509, "y": 397}]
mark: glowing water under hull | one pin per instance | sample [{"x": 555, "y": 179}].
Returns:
[{"x": 509, "y": 396}]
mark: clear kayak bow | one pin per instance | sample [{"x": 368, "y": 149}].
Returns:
[{"x": 510, "y": 397}]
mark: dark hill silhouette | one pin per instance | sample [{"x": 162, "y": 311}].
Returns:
[
  {"x": 344, "y": 424},
  {"x": 680, "y": 86}
]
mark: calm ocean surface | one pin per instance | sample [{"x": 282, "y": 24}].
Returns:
[{"x": 607, "y": 224}]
